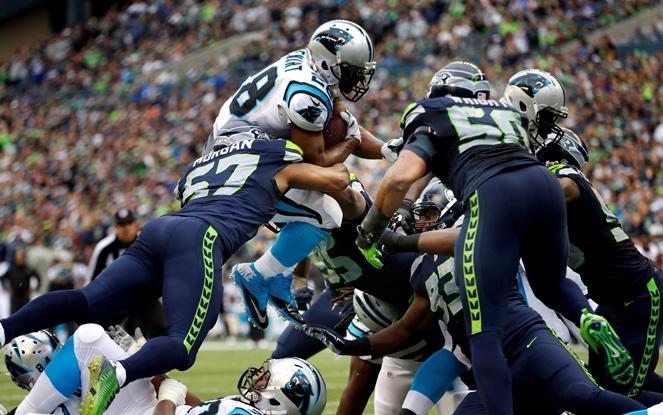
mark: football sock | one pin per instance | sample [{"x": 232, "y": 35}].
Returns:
[
  {"x": 47, "y": 310},
  {"x": 120, "y": 373},
  {"x": 295, "y": 242},
  {"x": 432, "y": 380},
  {"x": 491, "y": 373}
]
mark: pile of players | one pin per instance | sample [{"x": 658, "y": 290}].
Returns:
[{"x": 442, "y": 295}]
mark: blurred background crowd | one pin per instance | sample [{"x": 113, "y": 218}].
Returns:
[{"x": 104, "y": 114}]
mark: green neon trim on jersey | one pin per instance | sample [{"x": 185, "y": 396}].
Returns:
[
  {"x": 651, "y": 344},
  {"x": 574, "y": 356},
  {"x": 469, "y": 277},
  {"x": 206, "y": 295},
  {"x": 292, "y": 146}
]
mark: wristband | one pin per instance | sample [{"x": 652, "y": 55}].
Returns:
[
  {"x": 359, "y": 347},
  {"x": 172, "y": 390}
]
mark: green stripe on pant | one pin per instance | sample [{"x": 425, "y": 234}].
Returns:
[
  {"x": 206, "y": 295},
  {"x": 469, "y": 277},
  {"x": 651, "y": 342}
]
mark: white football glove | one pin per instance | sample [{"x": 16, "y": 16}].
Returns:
[
  {"x": 172, "y": 390},
  {"x": 391, "y": 148},
  {"x": 123, "y": 339},
  {"x": 353, "y": 126}
]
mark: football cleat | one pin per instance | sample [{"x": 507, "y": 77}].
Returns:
[
  {"x": 283, "y": 300},
  {"x": 102, "y": 388},
  {"x": 602, "y": 340},
  {"x": 254, "y": 293}
]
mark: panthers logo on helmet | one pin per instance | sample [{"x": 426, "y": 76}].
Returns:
[
  {"x": 333, "y": 38},
  {"x": 310, "y": 113},
  {"x": 531, "y": 83},
  {"x": 298, "y": 390}
]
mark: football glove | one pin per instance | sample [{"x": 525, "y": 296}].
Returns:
[
  {"x": 391, "y": 148},
  {"x": 336, "y": 343},
  {"x": 353, "y": 126},
  {"x": 303, "y": 297},
  {"x": 368, "y": 248}
]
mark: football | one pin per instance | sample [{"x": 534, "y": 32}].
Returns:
[{"x": 335, "y": 130}]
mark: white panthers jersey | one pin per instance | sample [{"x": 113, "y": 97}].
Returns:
[
  {"x": 289, "y": 91},
  {"x": 222, "y": 406}
]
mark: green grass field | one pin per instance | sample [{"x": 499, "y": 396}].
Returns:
[{"x": 216, "y": 374}]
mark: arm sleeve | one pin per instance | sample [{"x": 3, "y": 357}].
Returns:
[
  {"x": 306, "y": 106},
  {"x": 421, "y": 144}
]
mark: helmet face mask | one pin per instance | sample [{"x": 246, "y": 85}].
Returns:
[
  {"x": 569, "y": 149},
  {"x": 426, "y": 216},
  {"x": 542, "y": 99},
  {"x": 342, "y": 51}
]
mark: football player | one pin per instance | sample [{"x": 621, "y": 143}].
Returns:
[
  {"x": 294, "y": 98},
  {"x": 226, "y": 196},
  {"x": 54, "y": 376},
  {"x": 479, "y": 148},
  {"x": 625, "y": 284}
]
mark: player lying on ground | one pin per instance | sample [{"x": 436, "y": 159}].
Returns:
[
  {"x": 226, "y": 195},
  {"x": 625, "y": 284},
  {"x": 54, "y": 375},
  {"x": 292, "y": 98},
  {"x": 479, "y": 149}
]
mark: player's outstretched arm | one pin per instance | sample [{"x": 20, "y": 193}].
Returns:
[
  {"x": 313, "y": 146},
  {"x": 311, "y": 177},
  {"x": 438, "y": 242},
  {"x": 165, "y": 408}
]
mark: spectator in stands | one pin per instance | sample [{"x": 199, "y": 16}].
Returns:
[{"x": 20, "y": 280}]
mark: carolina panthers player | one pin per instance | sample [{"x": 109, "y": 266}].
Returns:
[
  {"x": 293, "y": 98},
  {"x": 479, "y": 149},
  {"x": 289, "y": 386},
  {"x": 226, "y": 195},
  {"x": 54, "y": 373},
  {"x": 625, "y": 284}
]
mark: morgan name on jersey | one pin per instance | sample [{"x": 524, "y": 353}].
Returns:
[{"x": 287, "y": 92}]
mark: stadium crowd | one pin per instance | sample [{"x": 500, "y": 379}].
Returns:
[{"x": 94, "y": 118}]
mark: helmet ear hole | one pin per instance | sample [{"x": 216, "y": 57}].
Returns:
[
  {"x": 523, "y": 107},
  {"x": 324, "y": 65},
  {"x": 274, "y": 402}
]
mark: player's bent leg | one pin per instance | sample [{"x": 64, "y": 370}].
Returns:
[
  {"x": 489, "y": 251},
  {"x": 432, "y": 380},
  {"x": 393, "y": 384}
]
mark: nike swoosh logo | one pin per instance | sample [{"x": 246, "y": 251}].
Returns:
[
  {"x": 317, "y": 104},
  {"x": 532, "y": 341},
  {"x": 262, "y": 318}
]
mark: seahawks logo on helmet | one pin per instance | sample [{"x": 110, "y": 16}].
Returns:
[
  {"x": 531, "y": 83},
  {"x": 298, "y": 390},
  {"x": 333, "y": 38}
]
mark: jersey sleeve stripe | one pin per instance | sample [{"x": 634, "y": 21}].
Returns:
[
  {"x": 299, "y": 87},
  {"x": 289, "y": 145}
]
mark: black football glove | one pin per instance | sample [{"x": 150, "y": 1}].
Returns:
[
  {"x": 303, "y": 297},
  {"x": 336, "y": 343}
]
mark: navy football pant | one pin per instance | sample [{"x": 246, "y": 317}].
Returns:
[
  {"x": 293, "y": 343},
  {"x": 175, "y": 257},
  {"x": 548, "y": 378},
  {"x": 516, "y": 214},
  {"x": 639, "y": 325}
]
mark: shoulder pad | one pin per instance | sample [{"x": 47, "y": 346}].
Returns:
[{"x": 306, "y": 105}]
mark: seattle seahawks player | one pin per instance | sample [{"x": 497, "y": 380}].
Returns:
[
  {"x": 479, "y": 149},
  {"x": 226, "y": 195},
  {"x": 625, "y": 284},
  {"x": 293, "y": 98}
]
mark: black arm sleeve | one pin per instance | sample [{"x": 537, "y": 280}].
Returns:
[{"x": 421, "y": 144}]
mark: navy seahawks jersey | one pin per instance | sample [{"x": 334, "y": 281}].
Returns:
[
  {"x": 343, "y": 264},
  {"x": 465, "y": 141},
  {"x": 233, "y": 189},
  {"x": 433, "y": 277},
  {"x": 600, "y": 251}
]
